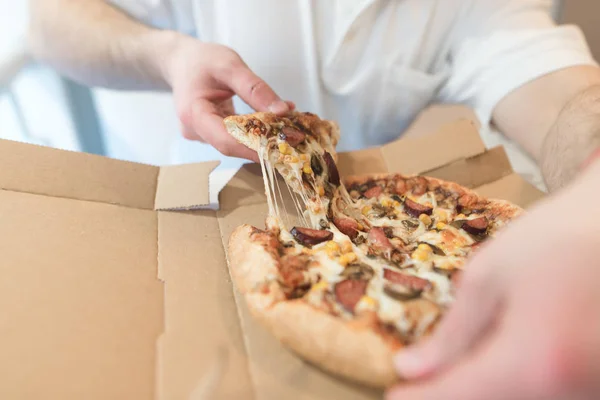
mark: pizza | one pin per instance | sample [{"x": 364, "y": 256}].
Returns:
[{"x": 376, "y": 261}]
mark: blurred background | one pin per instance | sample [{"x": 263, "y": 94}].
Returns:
[{"x": 38, "y": 106}]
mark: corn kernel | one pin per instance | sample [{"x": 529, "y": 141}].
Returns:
[
  {"x": 320, "y": 286},
  {"x": 307, "y": 169},
  {"x": 424, "y": 218},
  {"x": 333, "y": 246},
  {"x": 369, "y": 301},
  {"x": 331, "y": 253},
  {"x": 365, "y": 210},
  {"x": 386, "y": 202},
  {"x": 346, "y": 246},
  {"x": 425, "y": 248},
  {"x": 440, "y": 225},
  {"x": 321, "y": 191},
  {"x": 440, "y": 215},
  {"x": 291, "y": 159},
  {"x": 347, "y": 258},
  {"x": 304, "y": 157},
  {"x": 461, "y": 216},
  {"x": 284, "y": 148},
  {"x": 420, "y": 255},
  {"x": 360, "y": 226},
  {"x": 396, "y": 203}
]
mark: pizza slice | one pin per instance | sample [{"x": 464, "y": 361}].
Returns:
[{"x": 301, "y": 147}]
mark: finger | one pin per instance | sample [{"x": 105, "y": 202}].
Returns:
[
  {"x": 492, "y": 372},
  {"x": 209, "y": 127},
  {"x": 254, "y": 91},
  {"x": 475, "y": 310}
]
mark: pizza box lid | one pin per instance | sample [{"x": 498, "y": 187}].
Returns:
[{"x": 115, "y": 282}]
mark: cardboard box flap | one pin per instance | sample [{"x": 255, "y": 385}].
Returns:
[
  {"x": 475, "y": 171},
  {"x": 60, "y": 173},
  {"x": 450, "y": 143},
  {"x": 512, "y": 188},
  {"x": 184, "y": 187}
]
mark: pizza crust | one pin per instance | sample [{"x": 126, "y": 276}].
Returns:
[
  {"x": 235, "y": 127},
  {"x": 344, "y": 348},
  {"x": 253, "y": 268}
]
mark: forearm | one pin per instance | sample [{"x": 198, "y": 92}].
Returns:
[
  {"x": 572, "y": 139},
  {"x": 96, "y": 44}
]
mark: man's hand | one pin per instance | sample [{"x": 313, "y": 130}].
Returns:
[
  {"x": 97, "y": 44},
  {"x": 204, "y": 77},
  {"x": 526, "y": 321}
]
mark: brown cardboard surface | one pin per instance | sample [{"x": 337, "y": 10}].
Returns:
[
  {"x": 59, "y": 173},
  {"x": 81, "y": 304},
  {"x": 183, "y": 186},
  {"x": 102, "y": 296},
  {"x": 200, "y": 314}
]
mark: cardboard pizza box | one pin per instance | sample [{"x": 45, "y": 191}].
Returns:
[{"x": 114, "y": 283}]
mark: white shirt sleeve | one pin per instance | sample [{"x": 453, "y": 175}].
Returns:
[
  {"x": 499, "y": 45},
  {"x": 164, "y": 14}
]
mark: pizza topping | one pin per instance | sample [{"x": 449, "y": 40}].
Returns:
[
  {"x": 420, "y": 185},
  {"x": 315, "y": 164},
  {"x": 292, "y": 136},
  {"x": 415, "y": 209},
  {"x": 410, "y": 224},
  {"x": 401, "y": 187},
  {"x": 411, "y": 281},
  {"x": 334, "y": 175},
  {"x": 373, "y": 192},
  {"x": 358, "y": 271},
  {"x": 292, "y": 270},
  {"x": 425, "y": 219},
  {"x": 436, "y": 250},
  {"x": 310, "y": 237},
  {"x": 347, "y": 258},
  {"x": 477, "y": 226},
  {"x": 389, "y": 232},
  {"x": 379, "y": 240},
  {"x": 348, "y": 292},
  {"x": 347, "y": 226},
  {"x": 400, "y": 292}
]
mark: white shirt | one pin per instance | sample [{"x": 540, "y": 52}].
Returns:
[{"x": 371, "y": 65}]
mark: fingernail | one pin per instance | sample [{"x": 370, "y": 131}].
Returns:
[
  {"x": 279, "y": 107},
  {"x": 409, "y": 364}
]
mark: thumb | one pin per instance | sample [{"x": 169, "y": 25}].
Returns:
[
  {"x": 467, "y": 321},
  {"x": 254, "y": 91}
]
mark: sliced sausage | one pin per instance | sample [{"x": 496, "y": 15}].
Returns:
[
  {"x": 477, "y": 226},
  {"x": 347, "y": 226},
  {"x": 401, "y": 186},
  {"x": 420, "y": 185},
  {"x": 358, "y": 271},
  {"x": 411, "y": 281},
  {"x": 375, "y": 191},
  {"x": 292, "y": 135},
  {"x": 415, "y": 209},
  {"x": 349, "y": 292},
  {"x": 309, "y": 237},
  {"x": 292, "y": 268},
  {"x": 379, "y": 240},
  {"x": 334, "y": 175}
]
